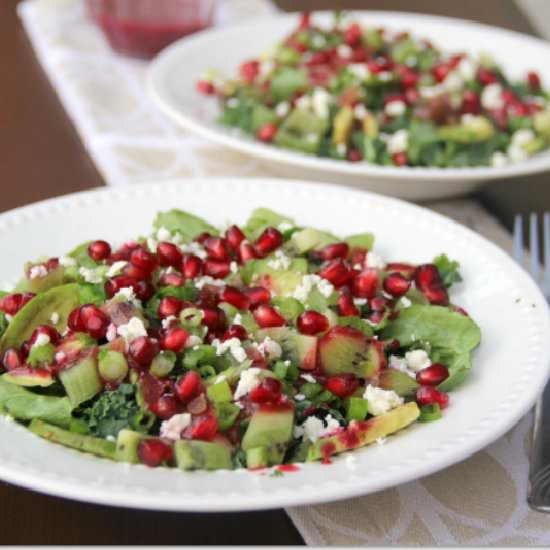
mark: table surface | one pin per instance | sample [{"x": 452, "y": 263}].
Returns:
[{"x": 41, "y": 157}]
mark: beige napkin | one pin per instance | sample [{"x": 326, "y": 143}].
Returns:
[{"x": 478, "y": 502}]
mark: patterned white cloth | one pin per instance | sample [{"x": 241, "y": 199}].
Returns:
[{"x": 480, "y": 501}]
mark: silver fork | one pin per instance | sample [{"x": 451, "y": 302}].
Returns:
[{"x": 538, "y": 493}]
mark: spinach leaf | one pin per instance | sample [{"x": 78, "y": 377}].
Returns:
[
  {"x": 357, "y": 323},
  {"x": 262, "y": 218},
  {"x": 286, "y": 82},
  {"x": 182, "y": 222},
  {"x": 186, "y": 293},
  {"x": 448, "y": 269}
]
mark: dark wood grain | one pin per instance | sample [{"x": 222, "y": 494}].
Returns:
[{"x": 41, "y": 156}]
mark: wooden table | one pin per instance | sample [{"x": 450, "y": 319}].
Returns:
[{"x": 41, "y": 156}]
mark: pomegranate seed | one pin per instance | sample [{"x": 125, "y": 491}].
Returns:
[
  {"x": 427, "y": 276},
  {"x": 205, "y": 87},
  {"x": 206, "y": 429},
  {"x": 169, "y": 254},
  {"x": 48, "y": 331},
  {"x": 249, "y": 70},
  {"x": 188, "y": 386},
  {"x": 12, "y": 303},
  {"x": 305, "y": 20},
  {"x": 217, "y": 268},
  {"x": 437, "y": 295},
  {"x": 169, "y": 306},
  {"x": 412, "y": 97},
  {"x": 257, "y": 295},
  {"x": 332, "y": 251},
  {"x": 246, "y": 252},
  {"x": 342, "y": 385},
  {"x": 509, "y": 97},
  {"x": 336, "y": 272},
  {"x": 192, "y": 267},
  {"x": 172, "y": 279},
  {"x": 461, "y": 310},
  {"x": 209, "y": 296},
  {"x": 52, "y": 263},
  {"x": 432, "y": 375},
  {"x": 396, "y": 285},
  {"x": 500, "y": 117},
  {"x": 486, "y": 77},
  {"x": 268, "y": 390},
  {"x": 407, "y": 270},
  {"x": 409, "y": 77},
  {"x": 400, "y": 159},
  {"x": 440, "y": 72},
  {"x": 352, "y": 35},
  {"x": 144, "y": 290},
  {"x": 533, "y": 79},
  {"x": 12, "y": 359},
  {"x": 113, "y": 285},
  {"x": 471, "y": 103},
  {"x": 99, "y": 250},
  {"x": 378, "y": 303},
  {"x": 144, "y": 260},
  {"x": 268, "y": 241},
  {"x": 376, "y": 317},
  {"x": 201, "y": 237},
  {"x": 198, "y": 405},
  {"x": 267, "y": 316},
  {"x": 521, "y": 109},
  {"x": 214, "y": 318},
  {"x": 312, "y": 323},
  {"x": 235, "y": 297},
  {"x": 235, "y": 331},
  {"x": 365, "y": 285},
  {"x": 346, "y": 307},
  {"x": 89, "y": 319},
  {"x": 153, "y": 452},
  {"x": 357, "y": 256},
  {"x": 234, "y": 237},
  {"x": 166, "y": 407},
  {"x": 216, "y": 248},
  {"x": 143, "y": 350},
  {"x": 355, "y": 155},
  {"x": 427, "y": 395},
  {"x": 174, "y": 339},
  {"x": 137, "y": 273},
  {"x": 267, "y": 132}
]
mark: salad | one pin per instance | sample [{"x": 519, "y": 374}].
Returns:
[
  {"x": 365, "y": 94},
  {"x": 254, "y": 346}
]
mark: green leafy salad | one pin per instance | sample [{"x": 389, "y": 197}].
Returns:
[
  {"x": 365, "y": 94},
  {"x": 198, "y": 348}
]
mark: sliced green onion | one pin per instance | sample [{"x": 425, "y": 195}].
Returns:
[
  {"x": 191, "y": 317},
  {"x": 357, "y": 408},
  {"x": 220, "y": 392},
  {"x": 429, "y": 413},
  {"x": 207, "y": 370},
  {"x": 311, "y": 389},
  {"x": 142, "y": 421}
]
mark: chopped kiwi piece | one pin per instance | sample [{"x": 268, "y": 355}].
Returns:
[
  {"x": 202, "y": 455},
  {"x": 309, "y": 239},
  {"x": 301, "y": 131},
  {"x": 226, "y": 415},
  {"x": 41, "y": 355},
  {"x": 342, "y": 125},
  {"x": 356, "y": 408},
  {"x": 220, "y": 392},
  {"x": 361, "y": 240},
  {"x": 262, "y": 115},
  {"x": 257, "y": 457},
  {"x": 29, "y": 377},
  {"x": 399, "y": 382},
  {"x": 54, "y": 278},
  {"x": 127, "y": 446},
  {"x": 281, "y": 283},
  {"x": 81, "y": 381},
  {"x": 300, "y": 349}
]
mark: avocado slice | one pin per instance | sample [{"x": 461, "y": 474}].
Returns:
[
  {"x": 342, "y": 125},
  {"x": 127, "y": 445},
  {"x": 86, "y": 443},
  {"x": 54, "y": 278},
  {"x": 60, "y": 299},
  {"x": 202, "y": 455},
  {"x": 301, "y": 349},
  {"x": 29, "y": 377},
  {"x": 281, "y": 283},
  {"x": 308, "y": 239},
  {"x": 81, "y": 381},
  {"x": 270, "y": 427},
  {"x": 301, "y": 131},
  {"x": 360, "y": 433}
]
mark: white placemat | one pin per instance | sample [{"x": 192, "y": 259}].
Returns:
[{"x": 478, "y": 502}]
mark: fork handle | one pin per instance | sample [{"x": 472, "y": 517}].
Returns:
[{"x": 538, "y": 495}]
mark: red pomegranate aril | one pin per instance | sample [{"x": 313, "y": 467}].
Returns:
[
  {"x": 533, "y": 79},
  {"x": 234, "y": 237},
  {"x": 521, "y": 109},
  {"x": 12, "y": 303},
  {"x": 246, "y": 252},
  {"x": 114, "y": 284},
  {"x": 143, "y": 350},
  {"x": 216, "y": 247},
  {"x": 267, "y": 316},
  {"x": 48, "y": 331},
  {"x": 428, "y": 395},
  {"x": 198, "y": 405},
  {"x": 432, "y": 375},
  {"x": 214, "y": 318},
  {"x": 249, "y": 70},
  {"x": 144, "y": 259},
  {"x": 471, "y": 103},
  {"x": 355, "y": 155},
  {"x": 333, "y": 251},
  {"x": 174, "y": 339},
  {"x": 205, "y": 429},
  {"x": 192, "y": 267},
  {"x": 205, "y": 87},
  {"x": 400, "y": 159},
  {"x": 437, "y": 296},
  {"x": 357, "y": 256},
  {"x": 268, "y": 241},
  {"x": 342, "y": 385},
  {"x": 412, "y": 96},
  {"x": 365, "y": 285},
  {"x": 267, "y": 132},
  {"x": 257, "y": 295},
  {"x": 217, "y": 268},
  {"x": 99, "y": 250},
  {"x": 407, "y": 270},
  {"x": 166, "y": 407},
  {"x": 409, "y": 77},
  {"x": 427, "y": 276},
  {"x": 346, "y": 306},
  {"x": 153, "y": 452},
  {"x": 440, "y": 72},
  {"x": 235, "y": 331},
  {"x": 305, "y": 20},
  {"x": 378, "y": 303},
  {"x": 137, "y": 273},
  {"x": 312, "y": 323},
  {"x": 268, "y": 390},
  {"x": 172, "y": 279},
  {"x": 144, "y": 290},
  {"x": 188, "y": 386},
  {"x": 12, "y": 359},
  {"x": 352, "y": 35},
  {"x": 169, "y": 306},
  {"x": 509, "y": 97},
  {"x": 396, "y": 285},
  {"x": 89, "y": 319},
  {"x": 376, "y": 317},
  {"x": 169, "y": 255},
  {"x": 201, "y": 237},
  {"x": 486, "y": 77},
  {"x": 336, "y": 272},
  {"x": 235, "y": 297}
]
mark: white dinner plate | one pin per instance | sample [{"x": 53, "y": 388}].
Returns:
[
  {"x": 174, "y": 73},
  {"x": 510, "y": 369}
]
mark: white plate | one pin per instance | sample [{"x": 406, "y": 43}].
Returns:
[
  {"x": 172, "y": 85},
  {"x": 511, "y": 366}
]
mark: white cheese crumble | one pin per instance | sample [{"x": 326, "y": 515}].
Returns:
[
  {"x": 341, "y": 149},
  {"x": 374, "y": 260},
  {"x": 67, "y": 261},
  {"x": 163, "y": 234},
  {"x": 266, "y": 68},
  {"x": 60, "y": 356},
  {"x": 308, "y": 283},
  {"x": 248, "y": 380},
  {"x": 91, "y": 275},
  {"x": 207, "y": 280},
  {"x": 284, "y": 226},
  {"x": 395, "y": 108},
  {"x": 54, "y": 318},
  {"x": 453, "y": 82},
  {"x": 428, "y": 92},
  {"x": 282, "y": 109},
  {"x": 172, "y": 428},
  {"x": 269, "y": 348},
  {"x": 167, "y": 321},
  {"x": 132, "y": 330},
  {"x": 320, "y": 102},
  {"x": 314, "y": 428},
  {"x": 491, "y": 96},
  {"x": 8, "y": 317},
  {"x": 498, "y": 159},
  {"x": 37, "y": 272},
  {"x": 523, "y": 136},
  {"x": 381, "y": 441},
  {"x": 41, "y": 340},
  {"x": 234, "y": 267},
  {"x": 516, "y": 153},
  {"x": 400, "y": 364},
  {"x": 303, "y": 103},
  {"x": 152, "y": 244},
  {"x": 404, "y": 302},
  {"x": 359, "y": 71},
  {"x": 417, "y": 360},
  {"x": 308, "y": 378},
  {"x": 234, "y": 346},
  {"x": 381, "y": 401},
  {"x": 318, "y": 41},
  {"x": 398, "y": 142},
  {"x": 116, "y": 268},
  {"x": 238, "y": 319},
  {"x": 281, "y": 262},
  {"x": 360, "y": 111},
  {"x": 111, "y": 332},
  {"x": 126, "y": 294},
  {"x": 344, "y": 51},
  {"x": 359, "y": 301},
  {"x": 193, "y": 341},
  {"x": 385, "y": 76},
  {"x": 467, "y": 68},
  {"x": 194, "y": 248},
  {"x": 299, "y": 397}
]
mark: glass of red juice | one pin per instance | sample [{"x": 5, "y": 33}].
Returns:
[{"x": 141, "y": 28}]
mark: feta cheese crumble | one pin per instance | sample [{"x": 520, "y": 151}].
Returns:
[
  {"x": 126, "y": 294},
  {"x": 41, "y": 340},
  {"x": 299, "y": 397},
  {"x": 132, "y": 330},
  {"x": 344, "y": 51},
  {"x": 282, "y": 109},
  {"x": 248, "y": 380},
  {"x": 167, "y": 321},
  {"x": 308, "y": 283},
  {"x": 374, "y": 260},
  {"x": 67, "y": 261},
  {"x": 269, "y": 348},
  {"x": 116, "y": 268},
  {"x": 359, "y": 71},
  {"x": 498, "y": 159},
  {"x": 395, "y": 108},
  {"x": 308, "y": 378},
  {"x": 91, "y": 275},
  {"x": 163, "y": 234},
  {"x": 491, "y": 97},
  {"x": 207, "y": 280},
  {"x": 381, "y": 401},
  {"x": 417, "y": 360},
  {"x": 111, "y": 332},
  {"x": 404, "y": 302},
  {"x": 194, "y": 248},
  {"x": 37, "y": 272},
  {"x": 234, "y": 346},
  {"x": 314, "y": 428},
  {"x": 398, "y": 142},
  {"x": 193, "y": 341},
  {"x": 281, "y": 262},
  {"x": 400, "y": 364},
  {"x": 172, "y": 428},
  {"x": 238, "y": 319},
  {"x": 320, "y": 102},
  {"x": 54, "y": 318}
]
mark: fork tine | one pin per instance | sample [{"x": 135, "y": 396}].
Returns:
[
  {"x": 546, "y": 242},
  {"x": 517, "y": 250},
  {"x": 534, "y": 246}
]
